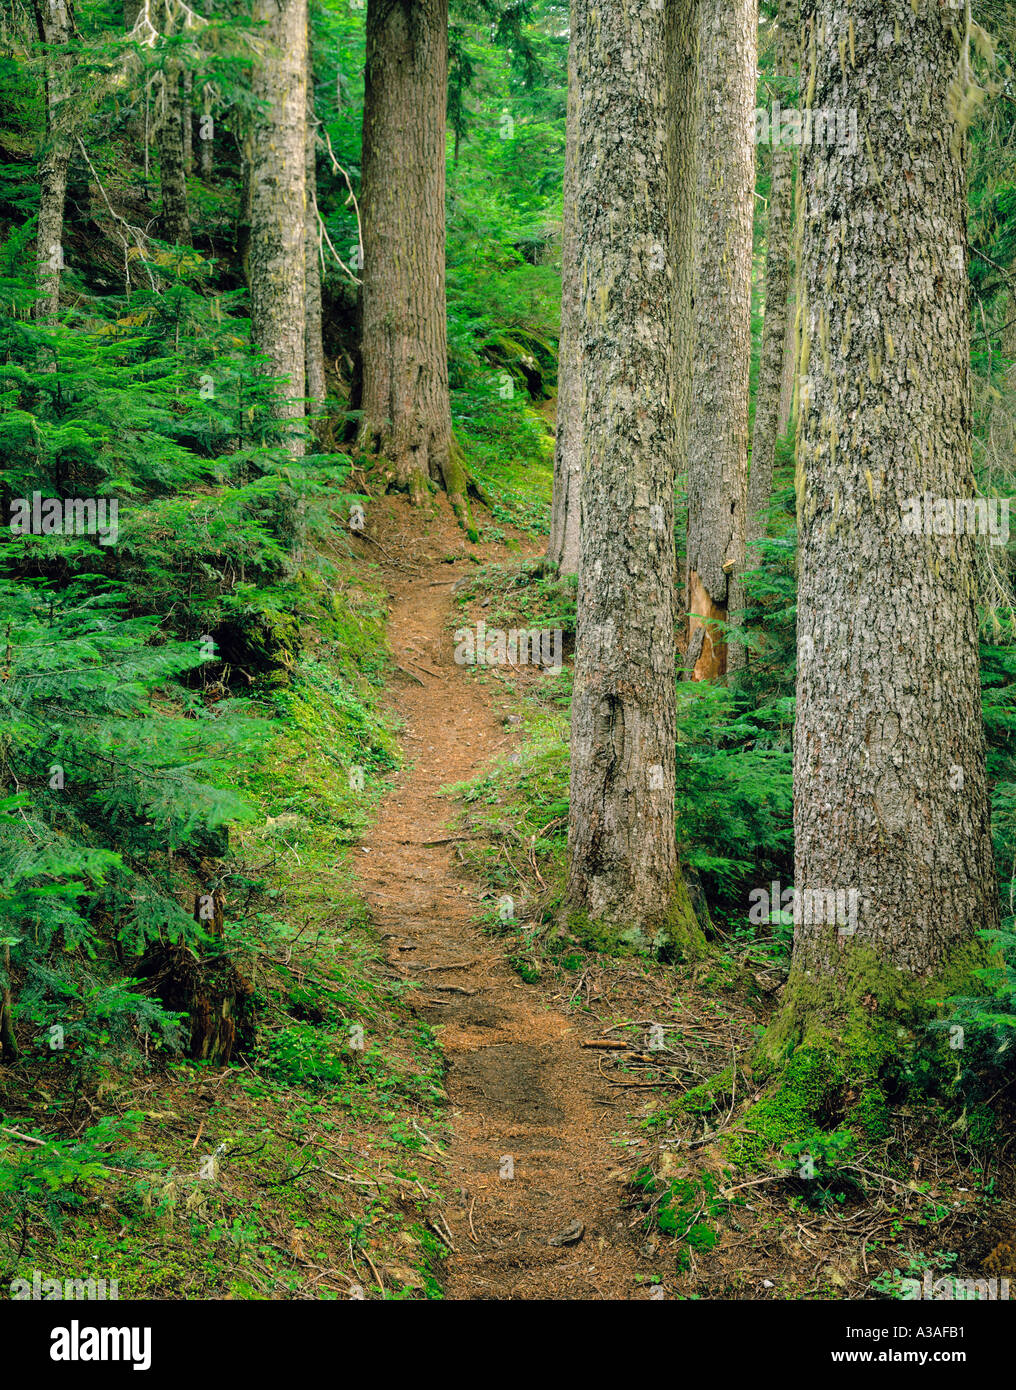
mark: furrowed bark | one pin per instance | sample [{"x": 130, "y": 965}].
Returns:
[
  {"x": 53, "y": 23},
  {"x": 564, "y": 550},
  {"x": 406, "y": 417},
  {"x": 277, "y": 184},
  {"x": 777, "y": 290},
  {"x": 718, "y": 437},
  {"x": 174, "y": 223},
  {"x": 891, "y": 801},
  {"x": 634, "y": 68}
]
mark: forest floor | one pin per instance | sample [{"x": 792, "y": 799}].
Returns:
[
  {"x": 526, "y": 1117},
  {"x": 536, "y": 1191}
]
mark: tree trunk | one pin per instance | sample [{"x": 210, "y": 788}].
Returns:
[
  {"x": 406, "y": 416},
  {"x": 789, "y": 368},
  {"x": 563, "y": 550},
  {"x": 8, "y": 1041},
  {"x": 54, "y": 27},
  {"x": 891, "y": 802},
  {"x": 206, "y": 135},
  {"x": 634, "y": 73},
  {"x": 314, "y": 356},
  {"x": 174, "y": 224},
  {"x": 777, "y": 288},
  {"x": 187, "y": 114},
  {"x": 277, "y": 183},
  {"x": 718, "y": 439}
]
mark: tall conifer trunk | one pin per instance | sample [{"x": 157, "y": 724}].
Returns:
[
  {"x": 891, "y": 803},
  {"x": 779, "y": 229},
  {"x": 54, "y": 27},
  {"x": 277, "y": 192},
  {"x": 174, "y": 223},
  {"x": 314, "y": 357},
  {"x": 635, "y": 76},
  {"x": 563, "y": 550},
  {"x": 406, "y": 416},
  {"x": 718, "y": 437}
]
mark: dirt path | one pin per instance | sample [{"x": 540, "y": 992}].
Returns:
[{"x": 525, "y": 1097}]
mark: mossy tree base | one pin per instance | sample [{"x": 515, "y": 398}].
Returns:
[
  {"x": 843, "y": 1049},
  {"x": 671, "y": 934},
  {"x": 403, "y": 472}
]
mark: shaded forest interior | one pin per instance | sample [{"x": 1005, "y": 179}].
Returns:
[{"x": 507, "y": 782}]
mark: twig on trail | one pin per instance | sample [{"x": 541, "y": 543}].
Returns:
[
  {"x": 446, "y": 840},
  {"x": 429, "y": 670},
  {"x": 605, "y": 1042},
  {"x": 197, "y": 1136},
  {"x": 773, "y": 1177},
  {"x": 578, "y": 987},
  {"x": 413, "y": 677},
  {"x": 635, "y": 1085},
  {"x": 532, "y": 860},
  {"x": 28, "y": 1138},
  {"x": 446, "y": 1236},
  {"x": 472, "y": 1233},
  {"x": 377, "y": 1276},
  {"x": 309, "y": 1167},
  {"x": 453, "y": 989},
  {"x": 455, "y": 965}
]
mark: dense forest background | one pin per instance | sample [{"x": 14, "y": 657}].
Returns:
[{"x": 194, "y": 734}]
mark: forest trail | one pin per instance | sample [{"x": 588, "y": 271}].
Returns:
[{"x": 520, "y": 1085}]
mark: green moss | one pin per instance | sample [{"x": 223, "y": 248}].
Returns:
[
  {"x": 673, "y": 935},
  {"x": 841, "y": 1047},
  {"x": 860, "y": 1009},
  {"x": 689, "y": 1211},
  {"x": 808, "y": 1094},
  {"x": 871, "y": 1113},
  {"x": 707, "y": 1097}
]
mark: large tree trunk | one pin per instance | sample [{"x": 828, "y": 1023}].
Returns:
[
  {"x": 206, "y": 135},
  {"x": 8, "y": 1040},
  {"x": 891, "y": 803},
  {"x": 54, "y": 28},
  {"x": 174, "y": 224},
  {"x": 277, "y": 184},
  {"x": 777, "y": 287},
  {"x": 314, "y": 355},
  {"x": 563, "y": 550},
  {"x": 634, "y": 74},
  {"x": 718, "y": 437},
  {"x": 188, "y": 122},
  {"x": 789, "y": 355},
  {"x": 406, "y": 416}
]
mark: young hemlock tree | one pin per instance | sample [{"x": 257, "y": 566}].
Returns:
[
  {"x": 563, "y": 550},
  {"x": 779, "y": 228},
  {"x": 632, "y": 68},
  {"x": 406, "y": 415},
  {"x": 718, "y": 435},
  {"x": 891, "y": 804},
  {"x": 278, "y": 162}
]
